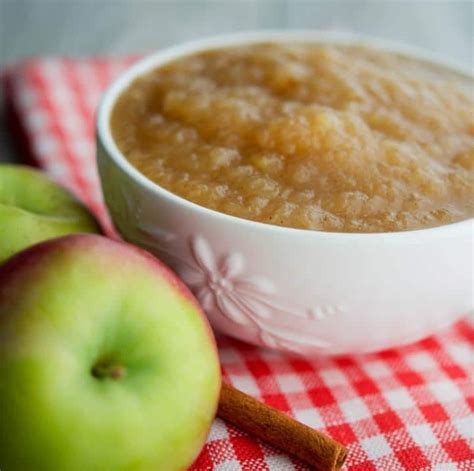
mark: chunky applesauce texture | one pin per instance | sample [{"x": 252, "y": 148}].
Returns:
[{"x": 322, "y": 137}]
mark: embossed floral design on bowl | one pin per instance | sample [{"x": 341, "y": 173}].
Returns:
[
  {"x": 225, "y": 289},
  {"x": 290, "y": 289}
]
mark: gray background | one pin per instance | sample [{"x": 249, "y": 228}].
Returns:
[{"x": 88, "y": 27}]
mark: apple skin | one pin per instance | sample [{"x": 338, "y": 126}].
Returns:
[
  {"x": 70, "y": 304},
  {"x": 33, "y": 208}
]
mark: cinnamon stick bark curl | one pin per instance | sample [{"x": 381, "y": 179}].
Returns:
[{"x": 279, "y": 430}]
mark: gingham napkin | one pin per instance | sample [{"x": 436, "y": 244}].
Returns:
[{"x": 409, "y": 408}]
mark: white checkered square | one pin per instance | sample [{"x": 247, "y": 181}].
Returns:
[
  {"x": 51, "y": 70},
  {"x": 399, "y": 399},
  {"x": 218, "y": 431},
  {"x": 445, "y": 391},
  {"x": 459, "y": 352},
  {"x": 82, "y": 148},
  {"x": 421, "y": 361},
  {"x": 333, "y": 376},
  {"x": 246, "y": 384},
  {"x": 280, "y": 463},
  {"x": 37, "y": 119},
  {"x": 465, "y": 427},
  {"x": 232, "y": 465},
  {"x": 355, "y": 409},
  {"x": 377, "y": 369},
  {"x": 289, "y": 383},
  {"x": 74, "y": 125},
  {"x": 46, "y": 144},
  {"x": 376, "y": 447},
  {"x": 445, "y": 467},
  {"x": 60, "y": 172},
  {"x": 87, "y": 77},
  {"x": 62, "y": 96},
  {"x": 422, "y": 435}
]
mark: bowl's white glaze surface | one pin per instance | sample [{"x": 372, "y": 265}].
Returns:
[{"x": 304, "y": 291}]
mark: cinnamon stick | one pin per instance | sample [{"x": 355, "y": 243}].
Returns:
[{"x": 279, "y": 430}]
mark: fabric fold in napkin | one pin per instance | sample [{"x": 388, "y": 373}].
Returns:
[{"x": 409, "y": 408}]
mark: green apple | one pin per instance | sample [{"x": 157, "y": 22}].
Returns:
[
  {"x": 33, "y": 208},
  {"x": 106, "y": 361}
]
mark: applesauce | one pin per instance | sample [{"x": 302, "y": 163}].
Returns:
[{"x": 322, "y": 137}]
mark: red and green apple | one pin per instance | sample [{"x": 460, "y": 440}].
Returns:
[{"x": 106, "y": 361}]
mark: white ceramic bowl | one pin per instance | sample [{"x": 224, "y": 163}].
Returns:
[{"x": 291, "y": 289}]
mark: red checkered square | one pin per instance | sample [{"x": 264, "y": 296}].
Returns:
[
  {"x": 365, "y": 466},
  {"x": 459, "y": 450},
  {"x": 342, "y": 433},
  {"x": 321, "y": 396},
  {"x": 204, "y": 461},
  {"x": 276, "y": 400},
  {"x": 410, "y": 378},
  {"x": 388, "y": 421},
  {"x": 404, "y": 409},
  {"x": 412, "y": 458},
  {"x": 434, "y": 413},
  {"x": 246, "y": 449},
  {"x": 365, "y": 387}
]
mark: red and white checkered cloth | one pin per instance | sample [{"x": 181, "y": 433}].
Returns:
[{"x": 409, "y": 408}]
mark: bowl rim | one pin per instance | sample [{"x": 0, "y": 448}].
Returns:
[{"x": 166, "y": 55}]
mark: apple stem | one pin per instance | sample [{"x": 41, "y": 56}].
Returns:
[{"x": 108, "y": 371}]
